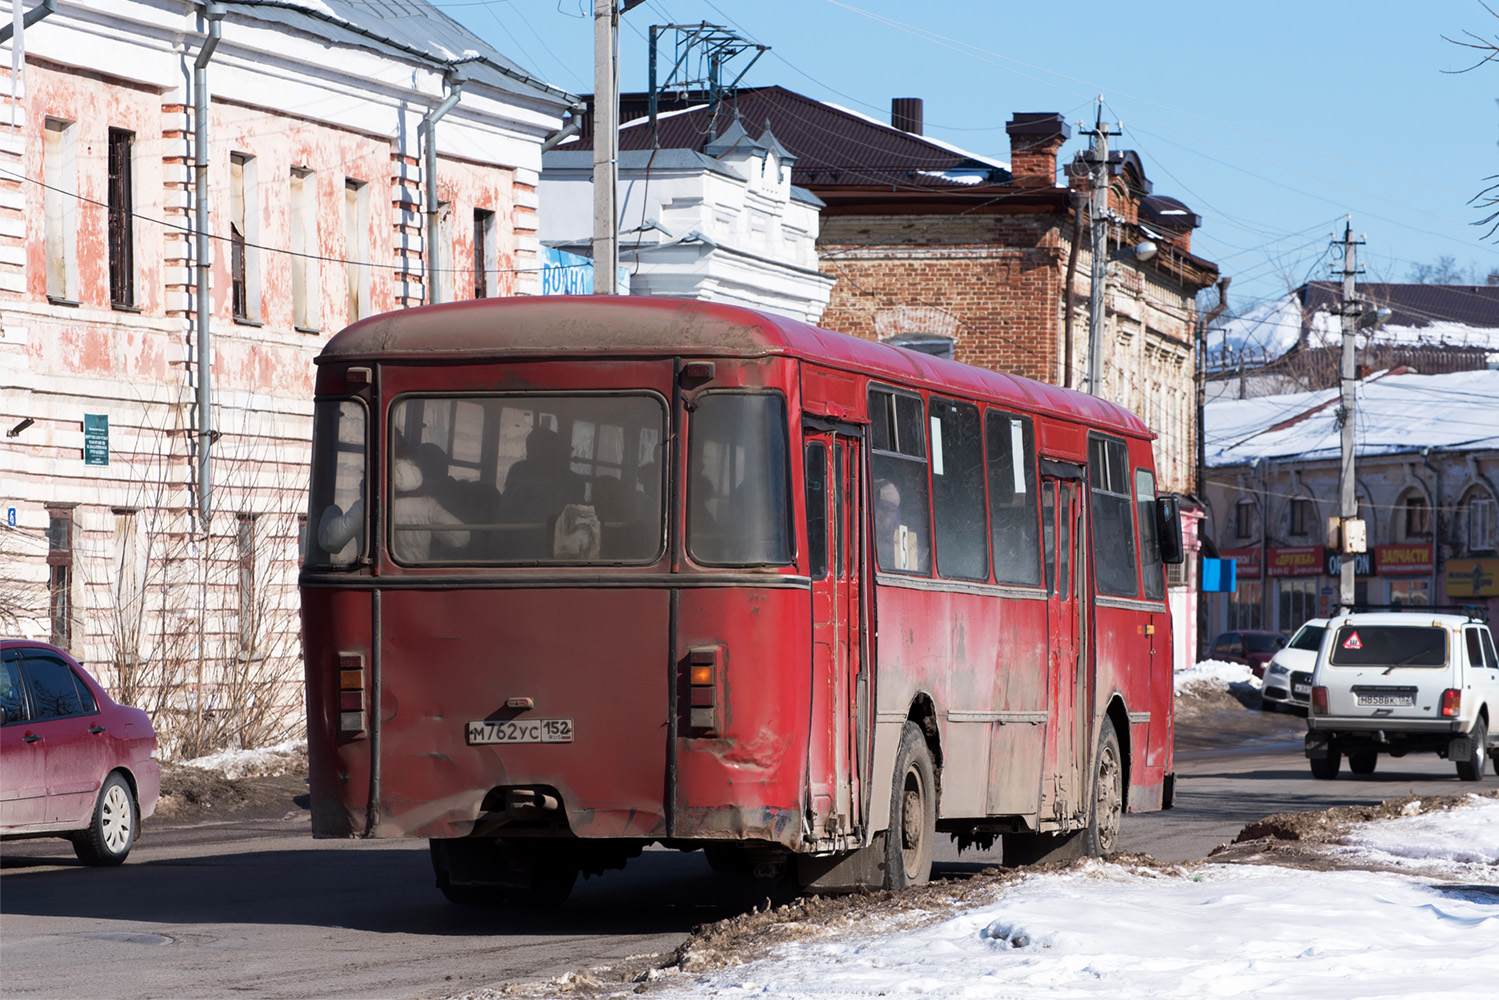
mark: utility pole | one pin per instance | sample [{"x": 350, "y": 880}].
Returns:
[
  {"x": 1099, "y": 245},
  {"x": 605, "y": 145},
  {"x": 1350, "y": 536}
]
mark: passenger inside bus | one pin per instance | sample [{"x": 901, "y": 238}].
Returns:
[
  {"x": 337, "y": 528},
  {"x": 537, "y": 489},
  {"x": 416, "y": 514}
]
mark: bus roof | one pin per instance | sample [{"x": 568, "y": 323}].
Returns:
[{"x": 649, "y": 326}]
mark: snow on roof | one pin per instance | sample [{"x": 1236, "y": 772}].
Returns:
[{"x": 1393, "y": 414}]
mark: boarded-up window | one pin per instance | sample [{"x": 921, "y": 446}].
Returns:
[
  {"x": 356, "y": 247},
  {"x": 121, "y": 219},
  {"x": 304, "y": 262},
  {"x": 60, "y": 208},
  {"x": 483, "y": 251}
]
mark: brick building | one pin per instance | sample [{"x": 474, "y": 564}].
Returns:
[{"x": 178, "y": 588}]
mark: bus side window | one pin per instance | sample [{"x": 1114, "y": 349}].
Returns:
[
  {"x": 900, "y": 494},
  {"x": 1150, "y": 549},
  {"x": 1011, "y": 452},
  {"x": 958, "y": 509},
  {"x": 1115, "y": 567}
]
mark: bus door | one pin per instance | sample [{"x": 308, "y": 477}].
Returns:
[
  {"x": 837, "y": 750},
  {"x": 1063, "y": 793}
]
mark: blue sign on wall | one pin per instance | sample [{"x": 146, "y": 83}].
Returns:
[
  {"x": 1219, "y": 576},
  {"x": 95, "y": 439},
  {"x": 564, "y": 273}
]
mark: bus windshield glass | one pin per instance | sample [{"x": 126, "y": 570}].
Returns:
[
  {"x": 562, "y": 479},
  {"x": 336, "y": 505},
  {"x": 737, "y": 507}
]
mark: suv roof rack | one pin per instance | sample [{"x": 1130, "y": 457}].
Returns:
[{"x": 1475, "y": 612}]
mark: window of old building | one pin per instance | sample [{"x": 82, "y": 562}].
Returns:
[
  {"x": 484, "y": 252},
  {"x": 60, "y": 209},
  {"x": 1301, "y": 516},
  {"x": 60, "y": 575},
  {"x": 121, "y": 209},
  {"x": 926, "y": 343},
  {"x": 245, "y": 547},
  {"x": 1483, "y": 522},
  {"x": 304, "y": 250},
  {"x": 244, "y": 237},
  {"x": 1417, "y": 516},
  {"x": 357, "y": 247},
  {"x": 1244, "y": 519}
]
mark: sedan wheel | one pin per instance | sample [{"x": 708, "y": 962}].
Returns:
[{"x": 111, "y": 832}]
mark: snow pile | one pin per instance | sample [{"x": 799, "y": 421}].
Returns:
[
  {"x": 1454, "y": 840},
  {"x": 1216, "y": 674},
  {"x": 1123, "y": 931},
  {"x": 283, "y": 758}
]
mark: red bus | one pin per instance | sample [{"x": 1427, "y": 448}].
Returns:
[{"x": 585, "y": 575}]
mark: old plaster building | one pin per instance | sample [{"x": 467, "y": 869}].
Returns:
[
  {"x": 1427, "y": 478},
  {"x": 153, "y": 505}
]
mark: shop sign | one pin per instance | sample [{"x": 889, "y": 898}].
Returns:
[
  {"x": 1246, "y": 562},
  {"x": 1296, "y": 560},
  {"x": 1473, "y": 578},
  {"x": 1403, "y": 560},
  {"x": 1363, "y": 564}
]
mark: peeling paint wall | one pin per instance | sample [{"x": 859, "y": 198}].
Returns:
[{"x": 294, "y": 118}]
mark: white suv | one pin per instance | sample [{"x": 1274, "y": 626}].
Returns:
[{"x": 1403, "y": 682}]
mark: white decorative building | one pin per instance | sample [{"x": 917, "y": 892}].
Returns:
[{"x": 721, "y": 225}]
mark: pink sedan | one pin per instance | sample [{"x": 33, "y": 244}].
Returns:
[{"x": 73, "y": 762}]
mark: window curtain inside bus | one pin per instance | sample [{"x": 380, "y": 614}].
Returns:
[
  {"x": 902, "y": 501},
  {"x": 558, "y": 479},
  {"x": 1114, "y": 564},
  {"x": 738, "y": 480}
]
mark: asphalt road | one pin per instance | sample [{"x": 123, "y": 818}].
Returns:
[{"x": 262, "y": 910}]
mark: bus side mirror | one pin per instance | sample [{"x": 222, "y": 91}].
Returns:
[{"x": 1169, "y": 529}]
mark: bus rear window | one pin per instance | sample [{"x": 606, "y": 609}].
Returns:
[
  {"x": 561, "y": 479},
  {"x": 336, "y": 500},
  {"x": 1389, "y": 646},
  {"x": 737, "y": 508}
]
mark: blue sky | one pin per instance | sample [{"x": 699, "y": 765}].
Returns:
[{"x": 1272, "y": 120}]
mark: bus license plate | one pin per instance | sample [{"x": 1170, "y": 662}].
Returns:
[
  {"x": 1386, "y": 700},
  {"x": 520, "y": 731}
]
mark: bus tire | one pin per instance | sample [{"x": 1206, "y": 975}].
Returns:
[
  {"x": 1107, "y": 809},
  {"x": 913, "y": 813}
]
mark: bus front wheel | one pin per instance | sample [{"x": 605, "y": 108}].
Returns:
[
  {"x": 913, "y": 813},
  {"x": 1108, "y": 794}
]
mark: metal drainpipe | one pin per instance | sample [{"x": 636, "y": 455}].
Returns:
[
  {"x": 214, "y": 14},
  {"x": 429, "y": 178}
]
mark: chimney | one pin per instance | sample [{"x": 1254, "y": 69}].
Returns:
[
  {"x": 905, "y": 114},
  {"x": 1035, "y": 138}
]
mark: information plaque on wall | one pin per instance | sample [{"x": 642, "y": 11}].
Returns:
[{"x": 96, "y": 439}]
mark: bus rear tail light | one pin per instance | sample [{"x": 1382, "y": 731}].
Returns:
[
  {"x": 1452, "y": 703},
  {"x": 1319, "y": 701},
  {"x": 703, "y": 667},
  {"x": 351, "y": 705}
]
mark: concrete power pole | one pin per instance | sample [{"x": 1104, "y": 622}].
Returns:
[
  {"x": 605, "y": 145},
  {"x": 1099, "y": 248},
  {"x": 1350, "y": 536}
]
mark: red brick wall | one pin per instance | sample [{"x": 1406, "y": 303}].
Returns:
[{"x": 997, "y": 278}]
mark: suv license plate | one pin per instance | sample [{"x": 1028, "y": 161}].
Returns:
[
  {"x": 1386, "y": 700},
  {"x": 520, "y": 731}
]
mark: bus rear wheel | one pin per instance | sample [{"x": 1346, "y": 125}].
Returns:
[
  {"x": 1108, "y": 794},
  {"x": 913, "y": 813}
]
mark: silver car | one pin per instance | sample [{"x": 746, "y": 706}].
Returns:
[{"x": 1288, "y": 676}]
